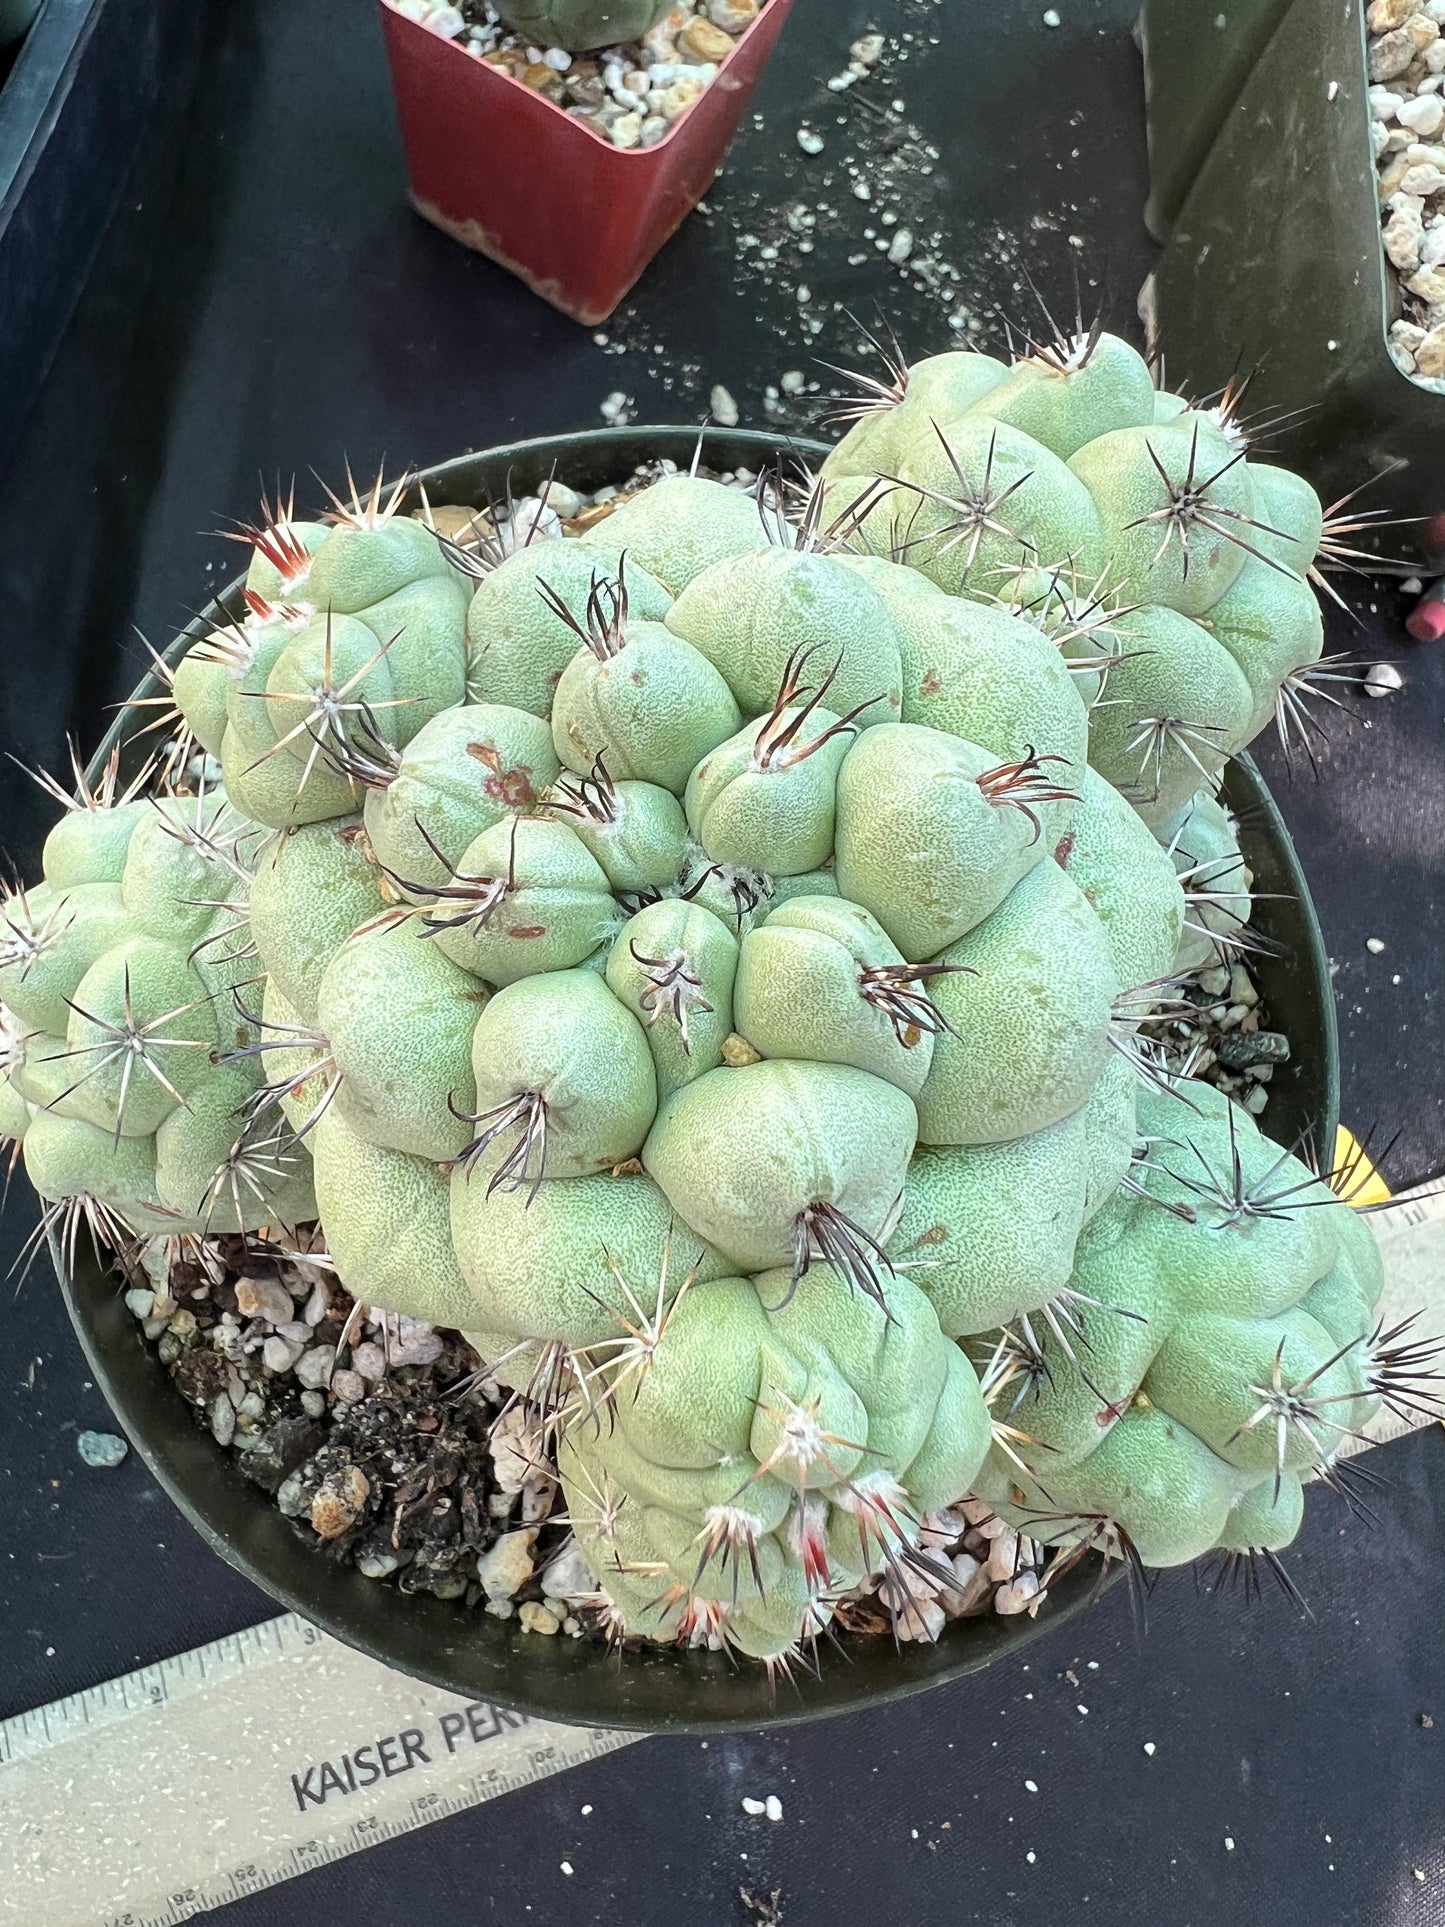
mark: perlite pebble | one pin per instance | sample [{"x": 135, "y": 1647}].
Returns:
[
  {"x": 508, "y": 1566},
  {"x": 1018, "y": 1595},
  {"x": 1384, "y": 678},
  {"x": 104, "y": 1450},
  {"x": 567, "y": 1576},
  {"x": 313, "y": 1368},
  {"x": 537, "y": 1618},
  {"x": 264, "y": 1298}
]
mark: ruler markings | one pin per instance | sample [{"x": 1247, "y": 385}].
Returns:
[{"x": 221, "y": 1772}]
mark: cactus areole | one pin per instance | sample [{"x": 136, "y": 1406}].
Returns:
[{"x": 715, "y": 955}]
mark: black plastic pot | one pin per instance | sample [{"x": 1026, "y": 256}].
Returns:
[
  {"x": 73, "y": 109},
  {"x": 1275, "y": 268},
  {"x": 1197, "y": 57},
  {"x": 574, "y": 1680}
]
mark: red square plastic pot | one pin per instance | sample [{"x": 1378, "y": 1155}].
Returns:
[{"x": 505, "y": 171}]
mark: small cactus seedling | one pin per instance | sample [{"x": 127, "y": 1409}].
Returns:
[
  {"x": 721, "y": 963},
  {"x": 580, "y": 25}
]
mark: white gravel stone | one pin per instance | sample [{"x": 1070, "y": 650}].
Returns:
[
  {"x": 221, "y": 1417},
  {"x": 724, "y": 408},
  {"x": 313, "y": 1367},
  {"x": 277, "y": 1355},
  {"x": 921, "y": 1620},
  {"x": 1003, "y": 1554},
  {"x": 349, "y": 1387},
  {"x": 1383, "y": 680},
  {"x": 1423, "y": 115},
  {"x": 568, "y": 1575},
  {"x": 810, "y": 140},
  {"x": 369, "y": 1361},
  {"x": 264, "y": 1298},
  {"x": 1018, "y": 1595},
  {"x": 508, "y": 1566}
]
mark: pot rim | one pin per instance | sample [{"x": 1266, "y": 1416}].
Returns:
[{"x": 461, "y": 1649}]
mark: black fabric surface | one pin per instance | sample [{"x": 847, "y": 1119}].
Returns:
[{"x": 266, "y": 303}]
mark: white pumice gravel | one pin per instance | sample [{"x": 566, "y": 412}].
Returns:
[
  {"x": 667, "y": 70},
  {"x": 1383, "y": 680},
  {"x": 1407, "y": 129}
]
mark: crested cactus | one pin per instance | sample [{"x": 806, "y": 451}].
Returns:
[{"x": 711, "y": 961}]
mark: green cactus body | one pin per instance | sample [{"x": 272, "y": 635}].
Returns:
[
  {"x": 935, "y": 389},
  {"x": 1177, "y": 509},
  {"x": 976, "y": 672},
  {"x": 320, "y": 682},
  {"x": 579, "y": 25},
  {"x": 565, "y": 1044},
  {"x": 89, "y": 845},
  {"x": 264, "y": 787},
  {"x": 70, "y": 1158},
  {"x": 577, "y": 1261},
  {"x": 636, "y": 831},
  {"x": 651, "y": 707},
  {"x": 1066, "y": 398},
  {"x": 985, "y": 500},
  {"x": 1029, "y": 1014},
  {"x": 388, "y": 1224},
  {"x": 768, "y": 1458},
  {"x": 1292, "y": 514},
  {"x": 50, "y": 939},
  {"x": 776, "y": 617},
  {"x": 933, "y": 833},
  {"x": 399, "y": 1016},
  {"x": 679, "y": 527},
  {"x": 725, "y": 1008},
  {"x": 988, "y": 1230},
  {"x": 465, "y": 770},
  {"x": 526, "y": 898},
  {"x": 765, "y": 797},
  {"x": 517, "y": 644},
  {"x": 296, "y": 1062},
  {"x": 358, "y": 566},
  {"x": 201, "y": 681},
  {"x": 423, "y": 630},
  {"x": 821, "y": 980},
  {"x": 202, "y": 1180},
  {"x": 1179, "y": 706},
  {"x": 281, "y": 552},
  {"x": 141, "y": 989},
  {"x": 1128, "y": 881},
  {"x": 747, "y": 1157},
  {"x": 181, "y": 862},
  {"x": 1269, "y": 621},
  {"x": 311, "y": 888},
  {"x": 1209, "y": 1386},
  {"x": 673, "y": 965},
  {"x": 42, "y": 1072}
]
